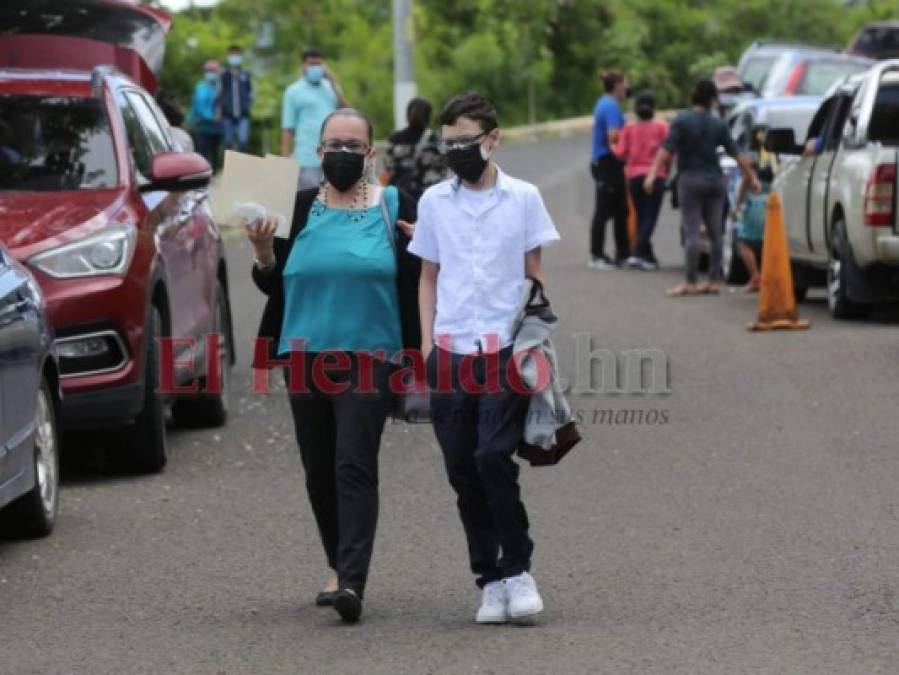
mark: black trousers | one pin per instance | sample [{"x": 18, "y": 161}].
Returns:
[
  {"x": 478, "y": 433},
  {"x": 339, "y": 435},
  {"x": 648, "y": 207},
  {"x": 611, "y": 204}
]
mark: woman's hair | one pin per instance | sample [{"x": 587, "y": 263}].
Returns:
[
  {"x": 611, "y": 79},
  {"x": 473, "y": 106},
  {"x": 645, "y": 105},
  {"x": 418, "y": 113},
  {"x": 705, "y": 93},
  {"x": 349, "y": 112}
]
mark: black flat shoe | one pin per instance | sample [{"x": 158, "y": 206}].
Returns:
[
  {"x": 325, "y": 599},
  {"x": 348, "y": 605}
]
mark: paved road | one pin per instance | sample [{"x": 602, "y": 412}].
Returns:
[{"x": 756, "y": 531}]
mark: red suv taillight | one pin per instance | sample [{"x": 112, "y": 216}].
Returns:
[{"x": 880, "y": 196}]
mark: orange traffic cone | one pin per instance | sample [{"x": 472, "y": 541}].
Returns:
[
  {"x": 777, "y": 300},
  {"x": 631, "y": 222}
]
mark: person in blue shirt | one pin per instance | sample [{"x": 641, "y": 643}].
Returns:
[
  {"x": 608, "y": 174},
  {"x": 235, "y": 101},
  {"x": 203, "y": 116},
  {"x": 307, "y": 102}
]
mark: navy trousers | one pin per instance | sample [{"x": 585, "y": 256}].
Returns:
[{"x": 479, "y": 420}]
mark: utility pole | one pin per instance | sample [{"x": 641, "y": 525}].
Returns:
[{"x": 403, "y": 60}]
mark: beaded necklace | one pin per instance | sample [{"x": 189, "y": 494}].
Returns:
[{"x": 355, "y": 213}]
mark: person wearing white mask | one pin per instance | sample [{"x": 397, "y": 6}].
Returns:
[
  {"x": 235, "y": 101},
  {"x": 307, "y": 102}
]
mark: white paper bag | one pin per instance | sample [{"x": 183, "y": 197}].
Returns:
[{"x": 269, "y": 183}]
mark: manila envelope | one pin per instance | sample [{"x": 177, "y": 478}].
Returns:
[{"x": 270, "y": 182}]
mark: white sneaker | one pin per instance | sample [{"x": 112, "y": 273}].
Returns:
[
  {"x": 601, "y": 264},
  {"x": 524, "y": 600},
  {"x": 633, "y": 262},
  {"x": 494, "y": 604}
]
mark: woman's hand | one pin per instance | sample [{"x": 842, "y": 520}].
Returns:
[
  {"x": 262, "y": 235},
  {"x": 407, "y": 227},
  {"x": 649, "y": 185}
]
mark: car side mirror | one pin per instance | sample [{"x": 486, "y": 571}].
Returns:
[
  {"x": 178, "y": 171},
  {"x": 782, "y": 142}
]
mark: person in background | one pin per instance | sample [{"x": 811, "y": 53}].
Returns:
[
  {"x": 694, "y": 138},
  {"x": 341, "y": 302},
  {"x": 235, "y": 101},
  {"x": 608, "y": 173},
  {"x": 203, "y": 117},
  {"x": 479, "y": 236},
  {"x": 307, "y": 102},
  {"x": 412, "y": 159},
  {"x": 637, "y": 147},
  {"x": 750, "y": 211}
]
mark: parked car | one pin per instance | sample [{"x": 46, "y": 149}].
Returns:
[
  {"x": 876, "y": 41},
  {"x": 112, "y": 219},
  {"x": 783, "y": 69},
  {"x": 840, "y": 204},
  {"x": 29, "y": 405}
]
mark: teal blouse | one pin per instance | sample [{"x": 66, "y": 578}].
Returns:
[{"x": 340, "y": 283}]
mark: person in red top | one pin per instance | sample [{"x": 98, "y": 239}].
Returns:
[{"x": 637, "y": 147}]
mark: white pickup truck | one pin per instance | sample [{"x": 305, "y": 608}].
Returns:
[{"x": 840, "y": 203}]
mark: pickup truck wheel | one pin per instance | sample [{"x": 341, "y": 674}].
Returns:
[
  {"x": 211, "y": 409},
  {"x": 841, "y": 307},
  {"x": 146, "y": 438},
  {"x": 34, "y": 513},
  {"x": 800, "y": 292}
]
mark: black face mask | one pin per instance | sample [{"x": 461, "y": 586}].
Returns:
[
  {"x": 343, "y": 169},
  {"x": 467, "y": 163}
]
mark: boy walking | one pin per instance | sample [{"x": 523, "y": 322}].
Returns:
[{"x": 478, "y": 235}]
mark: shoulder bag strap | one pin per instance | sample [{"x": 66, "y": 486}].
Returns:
[{"x": 389, "y": 224}]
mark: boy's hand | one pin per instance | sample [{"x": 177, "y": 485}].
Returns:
[{"x": 407, "y": 227}]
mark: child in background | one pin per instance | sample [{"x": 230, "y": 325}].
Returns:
[
  {"x": 750, "y": 209},
  {"x": 637, "y": 148}
]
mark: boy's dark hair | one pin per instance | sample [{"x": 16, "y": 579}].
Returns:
[
  {"x": 611, "y": 79},
  {"x": 235, "y": 48},
  {"x": 705, "y": 93},
  {"x": 311, "y": 53},
  {"x": 645, "y": 105},
  {"x": 418, "y": 113},
  {"x": 473, "y": 106}
]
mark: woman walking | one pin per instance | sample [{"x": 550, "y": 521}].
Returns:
[
  {"x": 412, "y": 159},
  {"x": 637, "y": 147},
  {"x": 695, "y": 137},
  {"x": 340, "y": 296}
]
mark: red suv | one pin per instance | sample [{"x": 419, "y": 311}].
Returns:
[{"x": 100, "y": 202}]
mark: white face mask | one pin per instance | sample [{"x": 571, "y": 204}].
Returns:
[{"x": 235, "y": 60}]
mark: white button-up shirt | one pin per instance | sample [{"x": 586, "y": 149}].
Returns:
[{"x": 480, "y": 239}]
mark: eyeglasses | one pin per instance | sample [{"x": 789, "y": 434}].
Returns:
[
  {"x": 459, "y": 143},
  {"x": 354, "y": 146}
]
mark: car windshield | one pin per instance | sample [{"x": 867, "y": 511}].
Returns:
[
  {"x": 756, "y": 70},
  {"x": 884, "y": 124},
  {"x": 55, "y": 143},
  {"x": 820, "y": 76}
]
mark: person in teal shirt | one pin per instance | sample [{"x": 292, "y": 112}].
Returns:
[
  {"x": 307, "y": 102},
  {"x": 342, "y": 303},
  {"x": 203, "y": 117}
]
